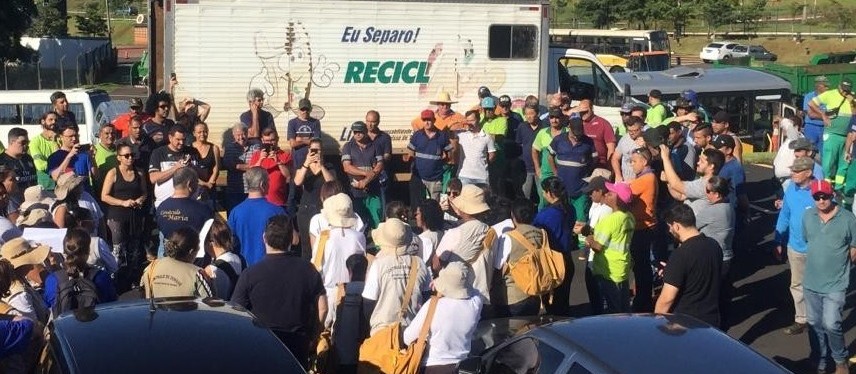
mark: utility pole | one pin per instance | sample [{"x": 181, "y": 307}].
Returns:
[{"x": 109, "y": 29}]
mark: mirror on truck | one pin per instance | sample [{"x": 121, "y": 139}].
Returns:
[{"x": 583, "y": 79}]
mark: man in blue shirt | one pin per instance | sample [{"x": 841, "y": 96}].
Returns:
[
  {"x": 429, "y": 147},
  {"x": 256, "y": 118},
  {"x": 247, "y": 220},
  {"x": 524, "y": 136},
  {"x": 573, "y": 156},
  {"x": 814, "y": 126},
  {"x": 732, "y": 169},
  {"x": 362, "y": 161},
  {"x": 831, "y": 236},
  {"x": 789, "y": 232}
]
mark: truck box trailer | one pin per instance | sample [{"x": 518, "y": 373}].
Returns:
[{"x": 351, "y": 56}]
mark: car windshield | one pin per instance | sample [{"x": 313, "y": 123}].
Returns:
[{"x": 714, "y": 45}]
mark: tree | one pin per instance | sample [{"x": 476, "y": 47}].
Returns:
[
  {"x": 636, "y": 12},
  {"x": 841, "y": 16},
  {"x": 602, "y": 13},
  {"x": 715, "y": 13},
  {"x": 749, "y": 12},
  {"x": 794, "y": 9},
  {"x": 674, "y": 13},
  {"x": 92, "y": 21},
  {"x": 14, "y": 21},
  {"x": 50, "y": 21}
]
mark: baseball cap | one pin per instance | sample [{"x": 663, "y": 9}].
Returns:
[
  {"x": 556, "y": 112},
  {"x": 488, "y": 102},
  {"x": 691, "y": 96},
  {"x": 427, "y": 114},
  {"x": 721, "y": 117},
  {"x": 596, "y": 183},
  {"x": 821, "y": 186},
  {"x": 135, "y": 102},
  {"x": 822, "y": 79},
  {"x": 801, "y": 143},
  {"x": 802, "y": 164},
  {"x": 304, "y": 104},
  {"x": 622, "y": 190},
  {"x": 484, "y": 92},
  {"x": 626, "y": 108},
  {"x": 846, "y": 84},
  {"x": 720, "y": 141},
  {"x": 359, "y": 126},
  {"x": 683, "y": 103},
  {"x": 505, "y": 100}
]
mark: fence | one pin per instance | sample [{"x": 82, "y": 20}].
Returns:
[{"x": 85, "y": 69}]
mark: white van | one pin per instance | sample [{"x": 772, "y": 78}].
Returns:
[{"x": 25, "y": 108}]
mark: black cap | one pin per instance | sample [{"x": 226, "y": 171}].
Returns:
[
  {"x": 505, "y": 100},
  {"x": 359, "y": 126},
  {"x": 654, "y": 137},
  {"x": 484, "y": 92},
  {"x": 596, "y": 183},
  {"x": 304, "y": 104},
  {"x": 720, "y": 141},
  {"x": 721, "y": 117},
  {"x": 556, "y": 112}
]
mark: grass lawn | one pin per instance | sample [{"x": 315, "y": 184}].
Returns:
[{"x": 788, "y": 51}]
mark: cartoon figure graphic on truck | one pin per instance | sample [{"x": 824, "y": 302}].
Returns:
[
  {"x": 288, "y": 70},
  {"x": 456, "y": 71}
]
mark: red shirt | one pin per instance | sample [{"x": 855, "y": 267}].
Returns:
[
  {"x": 600, "y": 131},
  {"x": 278, "y": 186},
  {"x": 123, "y": 121}
]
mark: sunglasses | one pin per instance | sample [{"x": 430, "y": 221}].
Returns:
[
  {"x": 126, "y": 155},
  {"x": 163, "y": 106},
  {"x": 821, "y": 196}
]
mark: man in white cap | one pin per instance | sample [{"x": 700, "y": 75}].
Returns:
[
  {"x": 390, "y": 274},
  {"x": 333, "y": 246},
  {"x": 466, "y": 243}
]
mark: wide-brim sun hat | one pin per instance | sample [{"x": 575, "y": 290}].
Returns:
[
  {"x": 443, "y": 97},
  {"x": 338, "y": 210},
  {"x": 36, "y": 195},
  {"x": 34, "y": 216},
  {"x": 20, "y": 252},
  {"x": 393, "y": 235},
  {"x": 454, "y": 281},
  {"x": 471, "y": 200},
  {"x": 65, "y": 183}
]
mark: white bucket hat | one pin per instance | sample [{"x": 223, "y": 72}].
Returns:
[
  {"x": 454, "y": 281},
  {"x": 394, "y": 235},
  {"x": 338, "y": 210},
  {"x": 471, "y": 200}
]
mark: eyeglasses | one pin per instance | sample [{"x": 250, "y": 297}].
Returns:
[
  {"x": 821, "y": 196},
  {"x": 126, "y": 155}
]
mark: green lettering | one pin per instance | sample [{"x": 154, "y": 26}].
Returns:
[
  {"x": 370, "y": 74},
  {"x": 355, "y": 69},
  {"x": 383, "y": 71},
  {"x": 396, "y": 77},
  {"x": 407, "y": 74},
  {"x": 422, "y": 75}
]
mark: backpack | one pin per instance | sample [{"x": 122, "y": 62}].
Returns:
[
  {"x": 350, "y": 328},
  {"x": 74, "y": 293},
  {"x": 540, "y": 270},
  {"x": 228, "y": 269}
]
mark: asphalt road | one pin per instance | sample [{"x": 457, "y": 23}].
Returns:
[{"x": 761, "y": 305}]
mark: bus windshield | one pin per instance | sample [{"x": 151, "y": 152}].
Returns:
[{"x": 618, "y": 42}]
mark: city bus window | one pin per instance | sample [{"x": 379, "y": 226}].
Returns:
[{"x": 10, "y": 114}]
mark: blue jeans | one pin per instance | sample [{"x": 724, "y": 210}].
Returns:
[
  {"x": 616, "y": 295},
  {"x": 815, "y": 135},
  {"x": 824, "y": 313}
]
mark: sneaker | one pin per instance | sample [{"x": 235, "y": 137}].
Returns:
[{"x": 795, "y": 329}]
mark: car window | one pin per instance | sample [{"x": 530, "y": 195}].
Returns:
[
  {"x": 714, "y": 45},
  {"x": 739, "y": 48},
  {"x": 10, "y": 114},
  {"x": 578, "y": 369},
  {"x": 526, "y": 355},
  {"x": 730, "y": 46}
]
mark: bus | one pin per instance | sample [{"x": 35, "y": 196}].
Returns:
[{"x": 619, "y": 50}]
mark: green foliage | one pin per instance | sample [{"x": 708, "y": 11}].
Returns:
[
  {"x": 749, "y": 12},
  {"x": 635, "y": 12},
  {"x": 601, "y": 13},
  {"x": 92, "y": 21},
  {"x": 840, "y": 15},
  {"x": 14, "y": 21},
  {"x": 49, "y": 21},
  {"x": 716, "y": 13}
]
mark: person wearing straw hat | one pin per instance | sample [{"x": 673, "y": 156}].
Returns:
[
  {"x": 389, "y": 275},
  {"x": 445, "y": 117},
  {"x": 28, "y": 260},
  {"x": 453, "y": 323},
  {"x": 466, "y": 242},
  {"x": 333, "y": 246}
]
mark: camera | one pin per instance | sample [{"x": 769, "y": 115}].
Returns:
[
  {"x": 586, "y": 230},
  {"x": 268, "y": 148},
  {"x": 84, "y": 147},
  {"x": 313, "y": 152}
]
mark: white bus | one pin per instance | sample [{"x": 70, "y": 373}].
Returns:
[{"x": 615, "y": 48}]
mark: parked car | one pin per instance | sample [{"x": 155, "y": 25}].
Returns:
[
  {"x": 171, "y": 335},
  {"x": 613, "y": 344},
  {"x": 717, "y": 51},
  {"x": 757, "y": 52}
]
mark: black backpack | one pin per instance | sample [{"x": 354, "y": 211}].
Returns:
[
  {"x": 229, "y": 270},
  {"x": 74, "y": 293}
]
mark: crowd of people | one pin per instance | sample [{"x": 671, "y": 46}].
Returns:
[{"x": 650, "y": 209}]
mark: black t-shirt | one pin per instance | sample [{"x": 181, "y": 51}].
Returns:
[
  {"x": 157, "y": 132},
  {"x": 282, "y": 291},
  {"x": 175, "y": 213},
  {"x": 694, "y": 268},
  {"x": 25, "y": 169}
]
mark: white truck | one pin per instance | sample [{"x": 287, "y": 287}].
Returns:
[{"x": 350, "y": 56}]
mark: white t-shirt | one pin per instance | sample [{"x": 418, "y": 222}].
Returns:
[
  {"x": 341, "y": 244},
  {"x": 501, "y": 228},
  {"x": 451, "y": 332},
  {"x": 430, "y": 241},
  {"x": 625, "y": 148},
  {"x": 385, "y": 283},
  {"x": 474, "y": 149},
  {"x": 597, "y": 212}
]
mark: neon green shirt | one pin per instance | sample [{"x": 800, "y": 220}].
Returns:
[
  {"x": 613, "y": 232},
  {"x": 40, "y": 149},
  {"x": 656, "y": 115},
  {"x": 542, "y": 140},
  {"x": 840, "y": 123}
]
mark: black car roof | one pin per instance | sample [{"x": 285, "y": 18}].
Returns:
[
  {"x": 177, "y": 335},
  {"x": 647, "y": 343}
]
